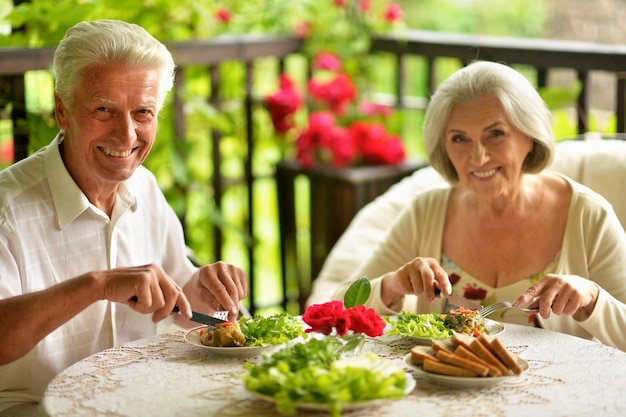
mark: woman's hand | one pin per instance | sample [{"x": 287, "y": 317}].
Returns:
[
  {"x": 563, "y": 295},
  {"x": 420, "y": 277}
]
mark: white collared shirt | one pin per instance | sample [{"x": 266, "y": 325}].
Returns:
[{"x": 50, "y": 232}]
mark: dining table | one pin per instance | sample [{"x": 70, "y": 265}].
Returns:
[{"x": 166, "y": 375}]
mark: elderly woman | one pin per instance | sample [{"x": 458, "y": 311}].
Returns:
[{"x": 505, "y": 228}]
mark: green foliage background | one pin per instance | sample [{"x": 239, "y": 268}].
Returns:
[{"x": 183, "y": 168}]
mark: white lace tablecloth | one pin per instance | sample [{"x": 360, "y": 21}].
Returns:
[{"x": 166, "y": 376}]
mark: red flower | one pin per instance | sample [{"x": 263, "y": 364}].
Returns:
[
  {"x": 369, "y": 108},
  {"x": 302, "y": 30},
  {"x": 324, "y": 317},
  {"x": 6, "y": 152},
  {"x": 365, "y": 5},
  {"x": 365, "y": 320},
  {"x": 340, "y": 3},
  {"x": 336, "y": 93},
  {"x": 324, "y": 140},
  {"x": 327, "y": 61},
  {"x": 376, "y": 145},
  {"x": 393, "y": 13},
  {"x": 283, "y": 104},
  {"x": 223, "y": 15}
]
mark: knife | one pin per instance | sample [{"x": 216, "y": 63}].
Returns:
[
  {"x": 203, "y": 318},
  {"x": 463, "y": 302},
  {"x": 459, "y": 301}
]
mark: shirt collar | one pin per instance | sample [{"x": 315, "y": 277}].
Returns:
[{"x": 69, "y": 200}]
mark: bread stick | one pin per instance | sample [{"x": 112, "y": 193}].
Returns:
[
  {"x": 419, "y": 353},
  {"x": 468, "y": 354},
  {"x": 452, "y": 359},
  {"x": 441, "y": 368},
  {"x": 482, "y": 352},
  {"x": 446, "y": 344},
  {"x": 498, "y": 349}
]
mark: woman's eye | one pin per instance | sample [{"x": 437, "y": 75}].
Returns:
[
  {"x": 457, "y": 139},
  {"x": 496, "y": 133}
]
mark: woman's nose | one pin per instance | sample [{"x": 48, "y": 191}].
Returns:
[{"x": 479, "y": 155}]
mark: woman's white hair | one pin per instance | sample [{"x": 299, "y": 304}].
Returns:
[
  {"x": 107, "y": 42},
  {"x": 521, "y": 102}
]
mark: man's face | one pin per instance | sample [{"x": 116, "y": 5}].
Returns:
[{"x": 110, "y": 128}]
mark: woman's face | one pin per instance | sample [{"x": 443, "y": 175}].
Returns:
[{"x": 485, "y": 148}]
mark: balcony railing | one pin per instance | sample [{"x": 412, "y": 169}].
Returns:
[{"x": 541, "y": 55}]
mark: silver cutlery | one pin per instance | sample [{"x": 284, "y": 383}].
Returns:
[{"x": 503, "y": 305}]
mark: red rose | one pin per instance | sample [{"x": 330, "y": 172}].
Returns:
[
  {"x": 326, "y": 61},
  {"x": 283, "y": 104},
  {"x": 393, "y": 13},
  {"x": 223, "y": 15},
  {"x": 302, "y": 30},
  {"x": 365, "y": 320},
  {"x": 336, "y": 93},
  {"x": 323, "y": 318}
]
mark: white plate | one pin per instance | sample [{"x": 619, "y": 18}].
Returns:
[
  {"x": 193, "y": 337},
  {"x": 410, "y": 385},
  {"x": 463, "y": 381},
  {"x": 494, "y": 328}
]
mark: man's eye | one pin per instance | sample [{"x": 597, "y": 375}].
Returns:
[{"x": 102, "y": 109}]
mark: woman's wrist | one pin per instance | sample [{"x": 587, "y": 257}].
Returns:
[{"x": 390, "y": 298}]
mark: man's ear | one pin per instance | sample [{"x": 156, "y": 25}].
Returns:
[{"x": 60, "y": 112}]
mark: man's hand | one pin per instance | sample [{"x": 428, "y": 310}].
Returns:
[
  {"x": 218, "y": 286},
  {"x": 146, "y": 289}
]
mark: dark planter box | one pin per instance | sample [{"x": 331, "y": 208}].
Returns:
[{"x": 336, "y": 195}]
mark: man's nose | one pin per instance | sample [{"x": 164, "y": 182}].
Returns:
[{"x": 126, "y": 129}]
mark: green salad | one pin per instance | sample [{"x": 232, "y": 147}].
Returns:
[
  {"x": 431, "y": 326},
  {"x": 315, "y": 372},
  {"x": 271, "y": 330}
]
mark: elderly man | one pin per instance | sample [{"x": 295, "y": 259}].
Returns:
[{"x": 91, "y": 254}]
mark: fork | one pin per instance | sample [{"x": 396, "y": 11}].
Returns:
[
  {"x": 503, "y": 305},
  {"x": 222, "y": 315}
]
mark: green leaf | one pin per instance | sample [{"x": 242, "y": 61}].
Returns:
[{"x": 358, "y": 293}]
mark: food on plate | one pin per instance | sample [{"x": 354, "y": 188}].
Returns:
[
  {"x": 496, "y": 346},
  {"x": 471, "y": 357},
  {"x": 446, "y": 344},
  {"x": 314, "y": 372},
  {"x": 437, "y": 326},
  {"x": 438, "y": 367},
  {"x": 430, "y": 326},
  {"x": 223, "y": 335},
  {"x": 420, "y": 353},
  {"x": 452, "y": 359},
  {"x": 271, "y": 330},
  {"x": 465, "y": 321},
  {"x": 466, "y": 353}
]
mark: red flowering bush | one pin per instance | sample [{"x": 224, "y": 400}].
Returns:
[{"x": 339, "y": 131}]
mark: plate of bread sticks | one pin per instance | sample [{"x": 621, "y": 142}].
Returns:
[{"x": 466, "y": 362}]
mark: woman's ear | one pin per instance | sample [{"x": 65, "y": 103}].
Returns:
[{"x": 60, "y": 112}]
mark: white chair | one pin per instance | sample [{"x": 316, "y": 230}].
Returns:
[{"x": 598, "y": 164}]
